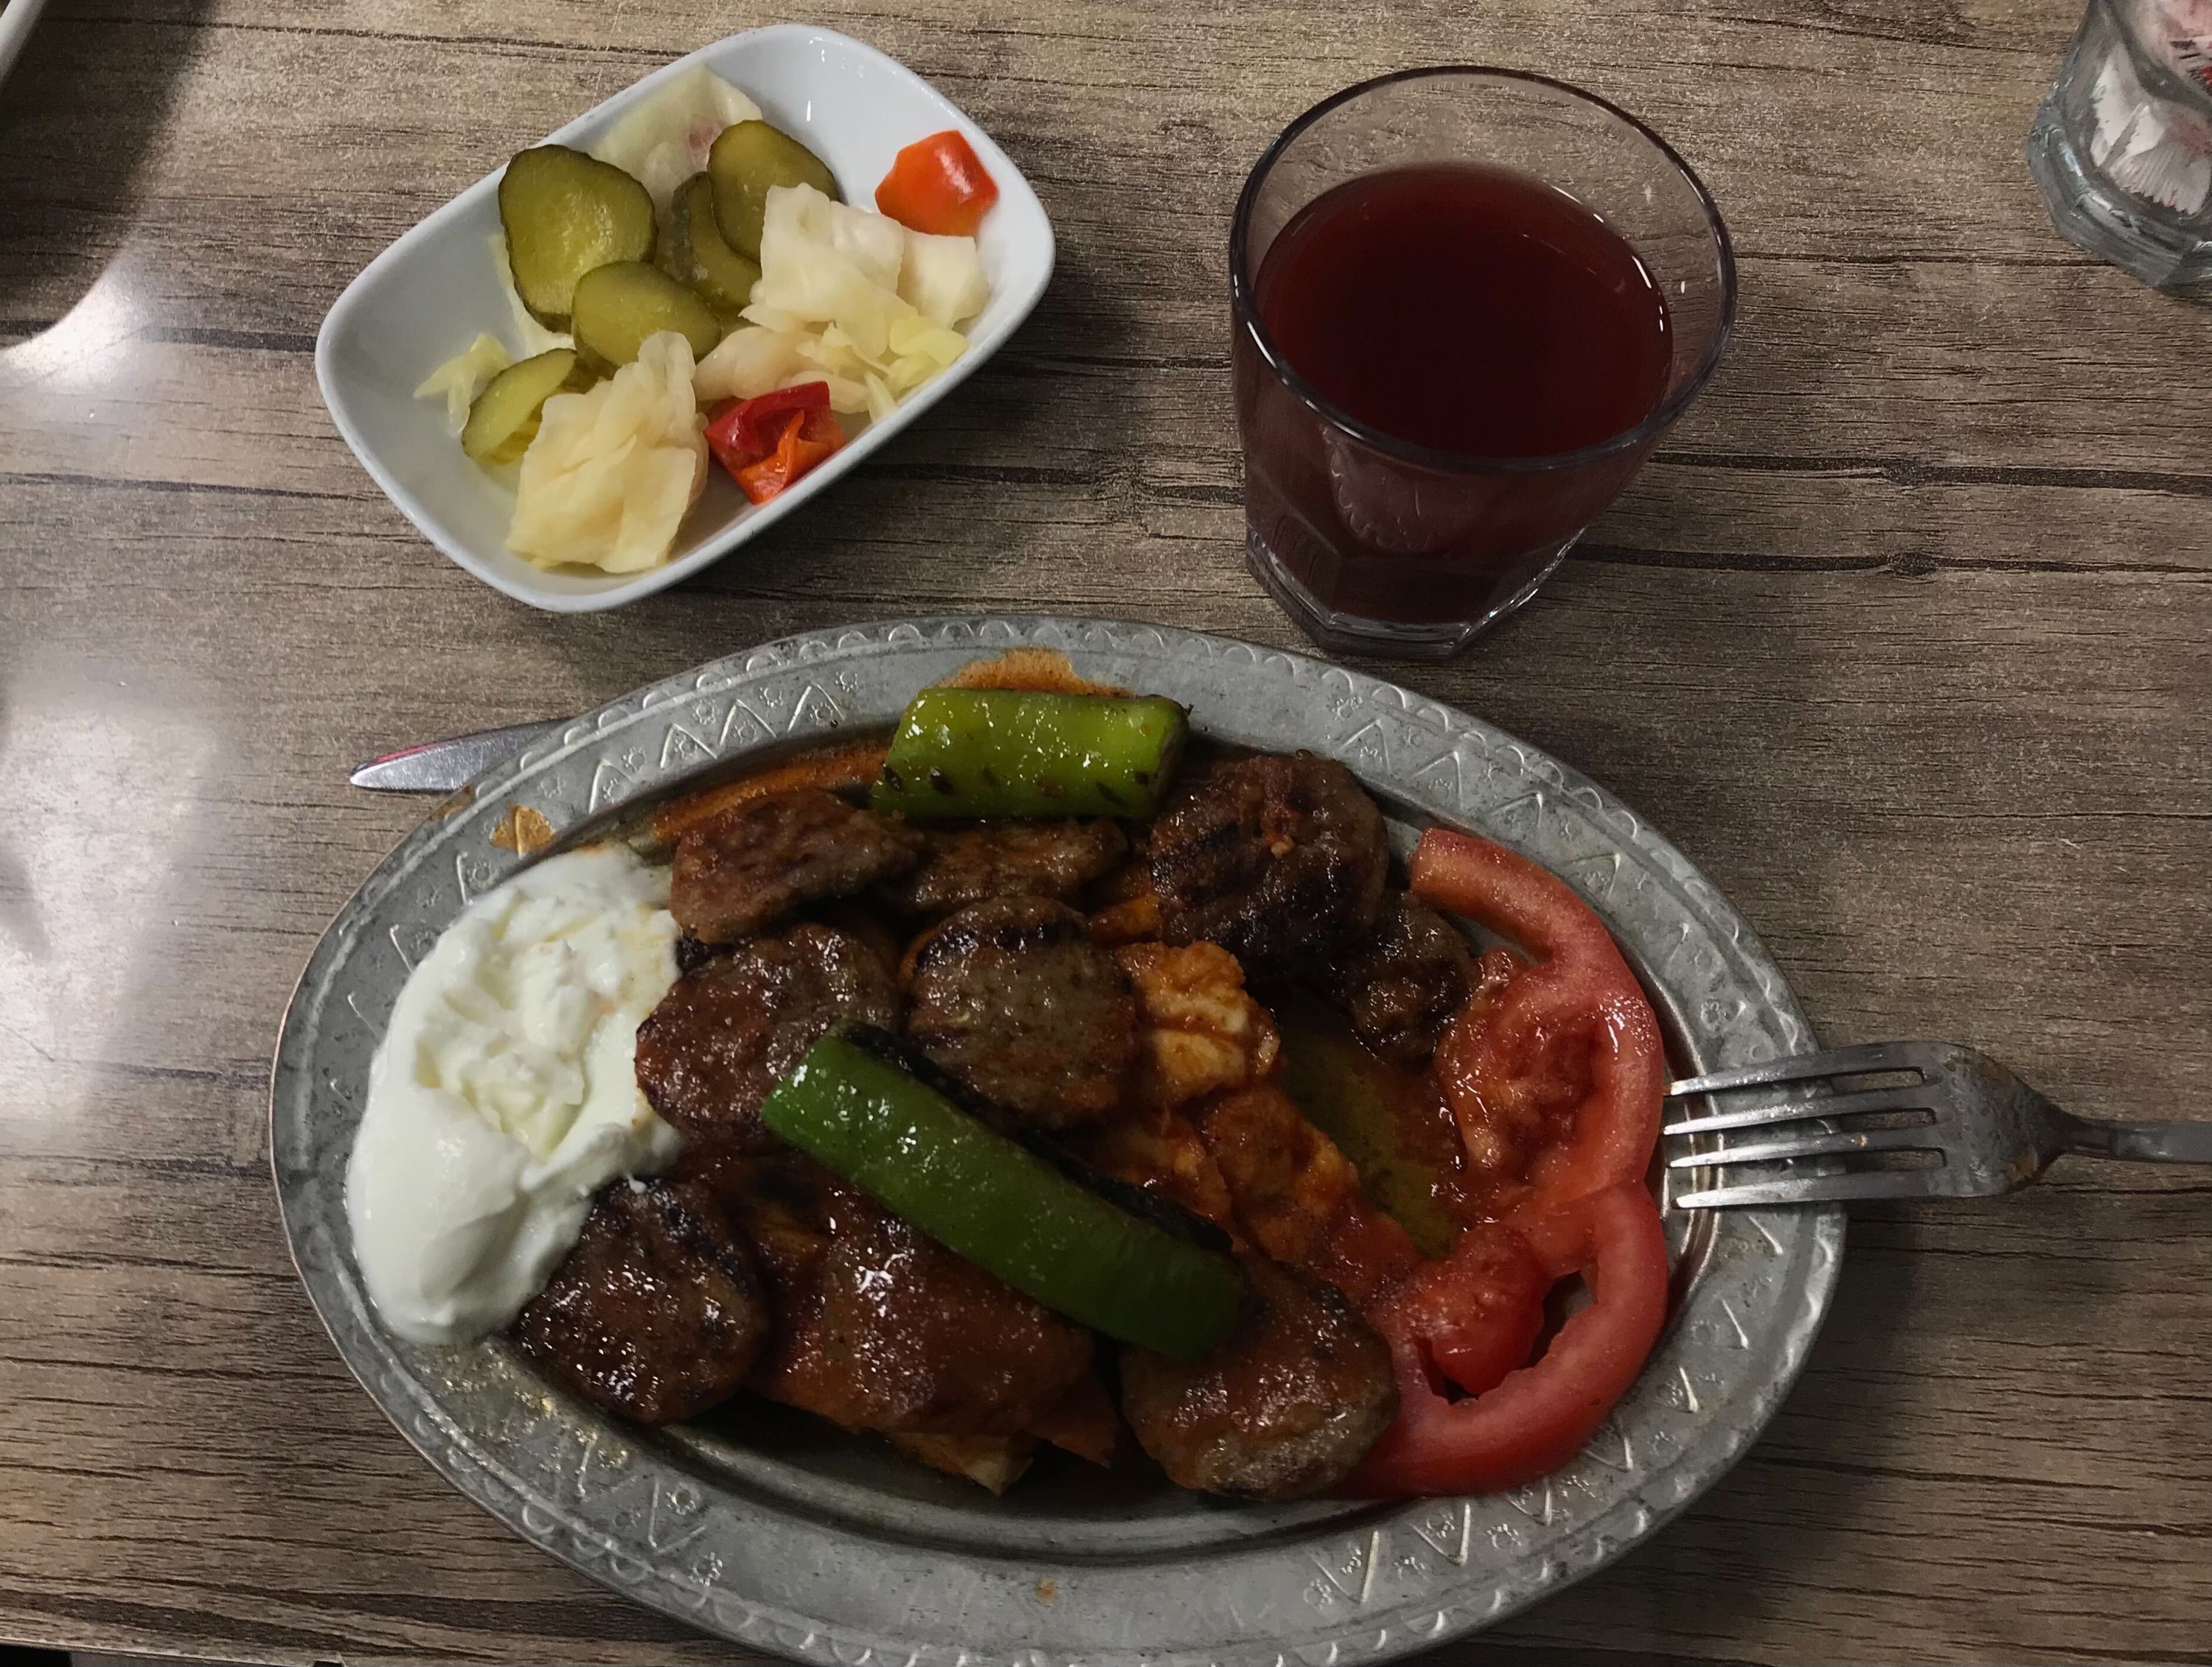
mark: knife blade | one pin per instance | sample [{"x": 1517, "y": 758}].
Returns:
[{"x": 449, "y": 765}]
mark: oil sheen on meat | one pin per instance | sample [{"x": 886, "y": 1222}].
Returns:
[
  {"x": 748, "y": 866},
  {"x": 1284, "y": 1408},
  {"x": 729, "y": 1030},
  {"x": 1013, "y": 998},
  {"x": 879, "y": 1328},
  {"x": 658, "y": 1312},
  {"x": 1280, "y": 860}
]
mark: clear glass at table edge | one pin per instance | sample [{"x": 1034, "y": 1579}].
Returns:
[
  {"x": 1447, "y": 545},
  {"x": 2121, "y": 149}
]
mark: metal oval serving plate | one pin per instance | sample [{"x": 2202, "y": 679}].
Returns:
[{"x": 765, "y": 1528}]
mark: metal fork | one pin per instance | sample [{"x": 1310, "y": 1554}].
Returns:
[{"x": 1990, "y": 1132}]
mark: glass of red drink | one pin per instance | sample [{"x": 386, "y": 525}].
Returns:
[{"x": 1466, "y": 303}]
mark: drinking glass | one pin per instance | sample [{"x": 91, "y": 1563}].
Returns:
[
  {"x": 2121, "y": 149},
  {"x": 1380, "y": 545}
]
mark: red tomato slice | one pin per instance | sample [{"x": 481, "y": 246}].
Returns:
[
  {"x": 1540, "y": 1416},
  {"x": 1556, "y": 1071},
  {"x": 1476, "y": 1314}
]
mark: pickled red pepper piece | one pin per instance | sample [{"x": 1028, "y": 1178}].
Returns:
[
  {"x": 756, "y": 425},
  {"x": 808, "y": 438},
  {"x": 1001, "y": 1206},
  {"x": 968, "y": 752},
  {"x": 939, "y": 186}
]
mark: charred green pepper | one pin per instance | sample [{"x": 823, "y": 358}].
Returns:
[
  {"x": 968, "y": 752},
  {"x": 1002, "y": 1207}
]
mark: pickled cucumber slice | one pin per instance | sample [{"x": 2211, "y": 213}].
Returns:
[
  {"x": 747, "y": 161},
  {"x": 693, "y": 252},
  {"x": 617, "y": 305},
  {"x": 565, "y": 213},
  {"x": 503, "y": 418}
]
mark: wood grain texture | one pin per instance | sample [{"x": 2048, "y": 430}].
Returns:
[{"x": 1903, "y": 637}]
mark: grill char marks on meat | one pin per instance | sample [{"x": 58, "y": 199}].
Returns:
[
  {"x": 961, "y": 865},
  {"x": 1403, "y": 988},
  {"x": 658, "y": 1312},
  {"x": 1011, "y": 997},
  {"x": 745, "y": 867},
  {"x": 1280, "y": 860},
  {"x": 729, "y": 1030},
  {"x": 879, "y": 1328},
  {"x": 1283, "y": 1410}
]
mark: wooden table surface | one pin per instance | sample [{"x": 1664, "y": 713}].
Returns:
[{"x": 1902, "y": 637}]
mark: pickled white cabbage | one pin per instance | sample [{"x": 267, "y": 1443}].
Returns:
[
  {"x": 942, "y": 278},
  {"x": 461, "y": 378},
  {"x": 875, "y": 244},
  {"x": 816, "y": 270},
  {"x": 665, "y": 141},
  {"x": 746, "y": 364},
  {"x": 841, "y": 285},
  {"x": 882, "y": 402},
  {"x": 613, "y": 470},
  {"x": 921, "y": 349},
  {"x": 751, "y": 361}
]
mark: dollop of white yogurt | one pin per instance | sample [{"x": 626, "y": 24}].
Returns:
[{"x": 505, "y": 1092}]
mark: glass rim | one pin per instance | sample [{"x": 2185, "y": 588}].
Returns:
[{"x": 1428, "y": 457}]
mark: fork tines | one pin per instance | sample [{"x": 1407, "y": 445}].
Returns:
[
  {"x": 1872, "y": 1058},
  {"x": 1883, "y": 1058}
]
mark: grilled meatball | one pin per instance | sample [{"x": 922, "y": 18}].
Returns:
[
  {"x": 1012, "y": 997},
  {"x": 728, "y": 1031},
  {"x": 746, "y": 866},
  {"x": 853, "y": 916},
  {"x": 880, "y": 1328},
  {"x": 961, "y": 865},
  {"x": 1402, "y": 987},
  {"x": 657, "y": 1313},
  {"x": 1285, "y": 1408},
  {"x": 1278, "y": 861}
]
